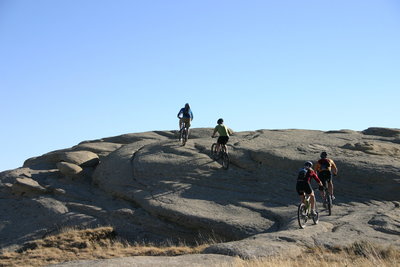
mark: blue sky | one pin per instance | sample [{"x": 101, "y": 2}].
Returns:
[{"x": 79, "y": 70}]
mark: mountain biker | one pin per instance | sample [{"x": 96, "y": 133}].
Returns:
[
  {"x": 185, "y": 116},
  {"x": 224, "y": 133},
  {"x": 303, "y": 185},
  {"x": 325, "y": 167}
]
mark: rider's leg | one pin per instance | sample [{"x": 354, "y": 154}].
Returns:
[
  {"x": 188, "y": 124},
  {"x": 218, "y": 147},
  {"x": 322, "y": 192},
  {"x": 312, "y": 201},
  {"x": 330, "y": 187},
  {"x": 180, "y": 128},
  {"x": 183, "y": 127},
  {"x": 223, "y": 140},
  {"x": 180, "y": 124}
]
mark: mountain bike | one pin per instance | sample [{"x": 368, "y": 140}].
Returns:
[
  {"x": 183, "y": 135},
  {"x": 327, "y": 201},
  {"x": 304, "y": 213},
  {"x": 222, "y": 154}
]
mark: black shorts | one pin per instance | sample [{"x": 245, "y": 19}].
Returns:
[
  {"x": 303, "y": 187},
  {"x": 223, "y": 140},
  {"x": 325, "y": 177}
]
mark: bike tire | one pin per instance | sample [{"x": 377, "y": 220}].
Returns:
[
  {"x": 302, "y": 215},
  {"x": 183, "y": 136},
  {"x": 187, "y": 135},
  {"x": 225, "y": 161},
  {"x": 329, "y": 204},
  {"x": 316, "y": 218},
  {"x": 180, "y": 135},
  {"x": 214, "y": 154}
]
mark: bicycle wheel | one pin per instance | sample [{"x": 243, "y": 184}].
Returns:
[
  {"x": 180, "y": 134},
  {"x": 225, "y": 160},
  {"x": 302, "y": 215},
  {"x": 329, "y": 203},
  {"x": 183, "y": 136},
  {"x": 316, "y": 218},
  {"x": 213, "y": 153},
  {"x": 186, "y": 134}
]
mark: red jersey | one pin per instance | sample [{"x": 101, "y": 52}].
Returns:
[
  {"x": 312, "y": 174},
  {"x": 307, "y": 178}
]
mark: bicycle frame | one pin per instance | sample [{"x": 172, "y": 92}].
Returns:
[
  {"x": 221, "y": 148},
  {"x": 222, "y": 153},
  {"x": 184, "y": 133},
  {"x": 307, "y": 202},
  {"x": 304, "y": 212},
  {"x": 327, "y": 200}
]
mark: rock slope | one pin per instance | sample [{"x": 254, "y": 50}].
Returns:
[{"x": 149, "y": 187}]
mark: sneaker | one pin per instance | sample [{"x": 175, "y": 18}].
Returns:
[{"x": 313, "y": 213}]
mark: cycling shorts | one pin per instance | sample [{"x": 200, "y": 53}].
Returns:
[
  {"x": 186, "y": 121},
  {"x": 325, "y": 177},
  {"x": 223, "y": 140},
  {"x": 303, "y": 187}
]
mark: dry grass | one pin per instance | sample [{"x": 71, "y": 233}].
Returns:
[
  {"x": 360, "y": 254},
  {"x": 101, "y": 243}
]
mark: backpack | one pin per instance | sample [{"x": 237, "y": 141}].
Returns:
[
  {"x": 302, "y": 175},
  {"x": 325, "y": 164}
]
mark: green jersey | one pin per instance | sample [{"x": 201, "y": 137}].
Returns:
[{"x": 222, "y": 130}]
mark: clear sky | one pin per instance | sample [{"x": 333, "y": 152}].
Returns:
[{"x": 75, "y": 70}]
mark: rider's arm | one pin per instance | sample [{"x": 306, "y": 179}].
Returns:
[
  {"x": 230, "y": 131},
  {"x": 316, "y": 178},
  {"x": 191, "y": 115},
  {"x": 179, "y": 113},
  {"x": 215, "y": 131},
  {"x": 334, "y": 168}
]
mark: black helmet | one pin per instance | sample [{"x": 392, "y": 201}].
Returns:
[
  {"x": 324, "y": 155},
  {"x": 220, "y": 121},
  {"x": 308, "y": 164}
]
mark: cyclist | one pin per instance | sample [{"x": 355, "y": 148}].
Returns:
[
  {"x": 224, "y": 133},
  {"x": 325, "y": 167},
  {"x": 185, "y": 116},
  {"x": 303, "y": 185}
]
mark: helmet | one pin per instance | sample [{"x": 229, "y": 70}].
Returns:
[
  {"x": 220, "y": 121},
  {"x": 324, "y": 155},
  {"x": 308, "y": 164}
]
